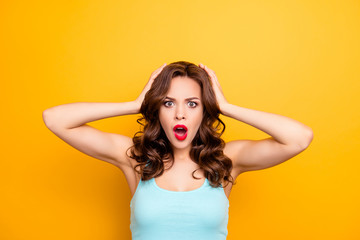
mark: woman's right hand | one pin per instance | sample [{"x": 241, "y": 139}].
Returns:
[{"x": 147, "y": 87}]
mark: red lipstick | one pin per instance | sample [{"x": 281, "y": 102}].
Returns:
[{"x": 180, "y": 132}]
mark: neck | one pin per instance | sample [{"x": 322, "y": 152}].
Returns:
[{"x": 182, "y": 154}]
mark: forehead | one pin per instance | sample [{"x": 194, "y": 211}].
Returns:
[{"x": 184, "y": 87}]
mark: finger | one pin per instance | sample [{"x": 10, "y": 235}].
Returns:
[
  {"x": 205, "y": 68},
  {"x": 202, "y": 66},
  {"x": 211, "y": 73},
  {"x": 160, "y": 68},
  {"x": 208, "y": 70},
  {"x": 157, "y": 71},
  {"x": 214, "y": 78}
]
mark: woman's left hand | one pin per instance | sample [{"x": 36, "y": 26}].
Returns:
[{"x": 220, "y": 98}]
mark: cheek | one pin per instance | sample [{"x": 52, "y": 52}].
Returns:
[
  {"x": 200, "y": 115},
  {"x": 198, "y": 119},
  {"x": 164, "y": 121}
]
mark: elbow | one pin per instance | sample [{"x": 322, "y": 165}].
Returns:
[
  {"x": 306, "y": 139},
  {"x": 47, "y": 118}
]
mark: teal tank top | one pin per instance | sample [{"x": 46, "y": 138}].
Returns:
[{"x": 160, "y": 214}]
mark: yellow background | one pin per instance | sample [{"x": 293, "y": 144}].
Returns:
[{"x": 295, "y": 58}]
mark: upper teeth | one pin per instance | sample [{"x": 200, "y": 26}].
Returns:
[{"x": 179, "y": 128}]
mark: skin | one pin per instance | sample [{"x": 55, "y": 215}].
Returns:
[
  {"x": 184, "y": 106},
  {"x": 288, "y": 137},
  {"x": 182, "y": 110}
]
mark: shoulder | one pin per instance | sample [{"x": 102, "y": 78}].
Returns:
[
  {"x": 124, "y": 145},
  {"x": 233, "y": 150}
]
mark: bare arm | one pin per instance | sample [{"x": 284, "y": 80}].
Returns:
[
  {"x": 284, "y": 130},
  {"x": 69, "y": 122},
  {"x": 288, "y": 136},
  {"x": 73, "y": 115}
]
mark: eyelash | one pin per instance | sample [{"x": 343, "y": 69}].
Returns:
[{"x": 189, "y": 102}]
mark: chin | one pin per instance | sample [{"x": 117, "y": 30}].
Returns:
[{"x": 181, "y": 144}]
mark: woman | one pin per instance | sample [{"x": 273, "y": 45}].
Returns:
[{"x": 180, "y": 172}]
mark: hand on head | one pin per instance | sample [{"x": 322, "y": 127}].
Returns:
[
  {"x": 147, "y": 87},
  {"x": 220, "y": 98}
]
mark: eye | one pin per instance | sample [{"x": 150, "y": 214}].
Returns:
[
  {"x": 192, "y": 104},
  {"x": 168, "y": 103}
]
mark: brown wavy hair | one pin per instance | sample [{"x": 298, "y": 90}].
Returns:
[{"x": 151, "y": 146}]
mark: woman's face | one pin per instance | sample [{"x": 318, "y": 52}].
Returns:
[{"x": 181, "y": 112}]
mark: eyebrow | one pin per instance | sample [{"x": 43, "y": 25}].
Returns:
[{"x": 190, "y": 98}]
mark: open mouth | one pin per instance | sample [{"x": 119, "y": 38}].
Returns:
[{"x": 180, "y": 132}]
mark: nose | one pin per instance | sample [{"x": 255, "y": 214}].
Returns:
[{"x": 180, "y": 114}]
